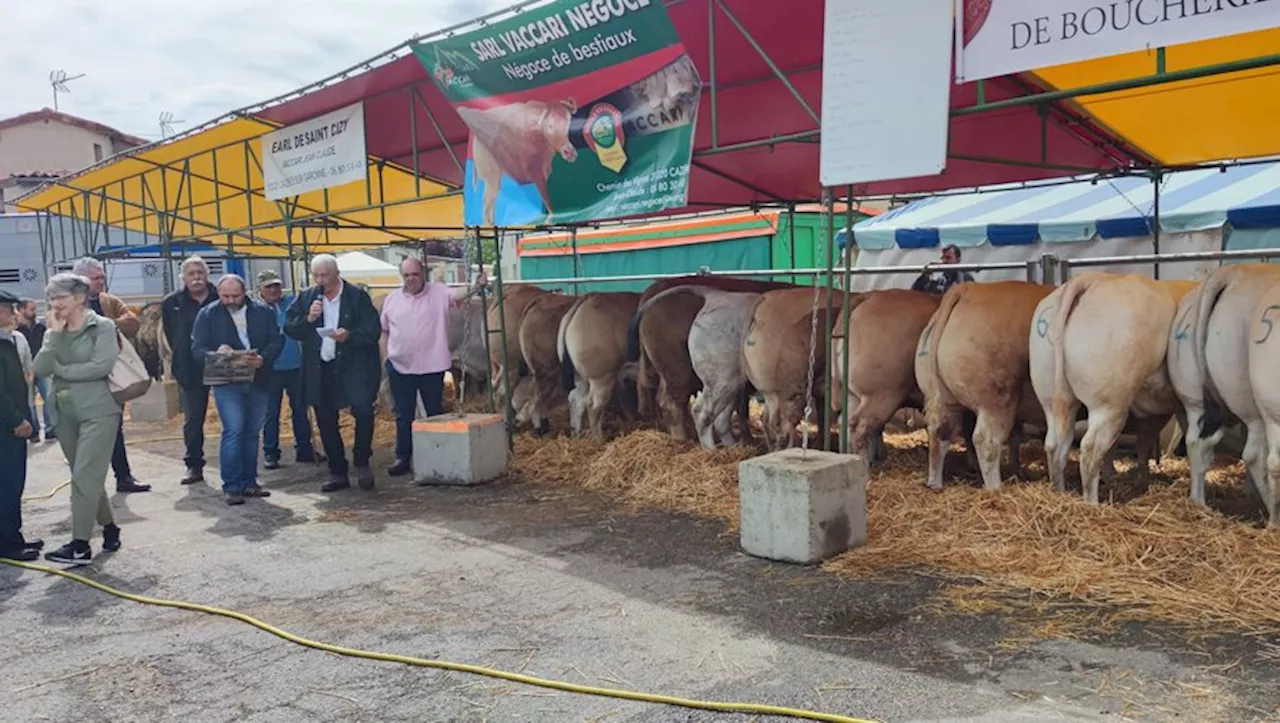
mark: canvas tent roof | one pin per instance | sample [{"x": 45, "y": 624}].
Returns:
[
  {"x": 354, "y": 262},
  {"x": 1245, "y": 196},
  {"x": 759, "y": 146}
]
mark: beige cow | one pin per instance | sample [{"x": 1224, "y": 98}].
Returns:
[
  {"x": 884, "y": 327},
  {"x": 1100, "y": 341},
  {"x": 592, "y": 346},
  {"x": 1264, "y": 361},
  {"x": 538, "y": 332},
  {"x": 775, "y": 358},
  {"x": 974, "y": 356},
  {"x": 1224, "y": 334}
]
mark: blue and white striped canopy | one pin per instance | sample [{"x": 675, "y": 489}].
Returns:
[{"x": 1245, "y": 196}]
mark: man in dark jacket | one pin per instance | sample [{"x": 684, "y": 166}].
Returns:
[
  {"x": 937, "y": 282},
  {"x": 238, "y": 323},
  {"x": 178, "y": 316},
  {"x": 15, "y": 430},
  {"x": 338, "y": 328},
  {"x": 34, "y": 330}
]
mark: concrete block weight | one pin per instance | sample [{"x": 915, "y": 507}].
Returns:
[
  {"x": 802, "y": 507},
  {"x": 159, "y": 404},
  {"x": 453, "y": 450}
]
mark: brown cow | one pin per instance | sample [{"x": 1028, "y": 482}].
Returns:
[
  {"x": 658, "y": 341},
  {"x": 516, "y": 298},
  {"x": 975, "y": 355},
  {"x": 518, "y": 140},
  {"x": 776, "y": 354},
  {"x": 592, "y": 346},
  {"x": 884, "y": 327},
  {"x": 538, "y": 335}
]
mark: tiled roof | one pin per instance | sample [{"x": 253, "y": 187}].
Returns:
[{"x": 45, "y": 115}]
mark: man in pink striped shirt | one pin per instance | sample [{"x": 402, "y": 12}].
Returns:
[{"x": 415, "y": 343}]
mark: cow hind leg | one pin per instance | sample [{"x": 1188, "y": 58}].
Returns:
[
  {"x": 599, "y": 396},
  {"x": 1255, "y": 461},
  {"x": 866, "y": 425},
  {"x": 1148, "y": 429},
  {"x": 578, "y": 406},
  {"x": 1060, "y": 434},
  {"x": 1273, "y": 472},
  {"x": 1105, "y": 426},
  {"x": 989, "y": 437},
  {"x": 1199, "y": 452}
]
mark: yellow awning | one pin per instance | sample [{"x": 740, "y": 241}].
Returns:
[
  {"x": 1220, "y": 117},
  {"x": 212, "y": 187}
]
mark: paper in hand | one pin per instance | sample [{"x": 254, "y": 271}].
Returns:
[{"x": 325, "y": 332}]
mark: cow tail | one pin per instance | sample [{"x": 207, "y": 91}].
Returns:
[
  {"x": 1214, "y": 415},
  {"x": 1071, "y": 294},
  {"x": 930, "y": 337},
  {"x": 567, "y": 372}
]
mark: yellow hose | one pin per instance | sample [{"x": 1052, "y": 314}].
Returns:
[
  {"x": 59, "y": 488},
  {"x": 750, "y": 708}
]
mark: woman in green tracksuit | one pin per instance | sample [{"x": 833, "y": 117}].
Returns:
[{"x": 79, "y": 352}]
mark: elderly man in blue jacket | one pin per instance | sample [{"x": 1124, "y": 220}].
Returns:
[{"x": 239, "y": 323}]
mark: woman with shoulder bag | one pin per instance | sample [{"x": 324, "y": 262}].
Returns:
[{"x": 79, "y": 351}]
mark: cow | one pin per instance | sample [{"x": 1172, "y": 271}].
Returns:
[
  {"x": 713, "y": 348},
  {"x": 1264, "y": 359},
  {"x": 518, "y": 140},
  {"x": 973, "y": 355},
  {"x": 658, "y": 342},
  {"x": 537, "y": 335},
  {"x": 1100, "y": 341},
  {"x": 883, "y": 328},
  {"x": 778, "y": 348},
  {"x": 515, "y": 299},
  {"x": 1224, "y": 332},
  {"x": 592, "y": 345}
]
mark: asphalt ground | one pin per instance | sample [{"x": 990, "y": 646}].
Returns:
[{"x": 551, "y": 582}]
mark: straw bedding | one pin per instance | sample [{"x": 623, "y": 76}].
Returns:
[{"x": 1145, "y": 555}]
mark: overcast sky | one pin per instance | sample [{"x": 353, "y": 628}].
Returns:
[{"x": 195, "y": 58}]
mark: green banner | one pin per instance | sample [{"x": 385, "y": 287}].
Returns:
[{"x": 578, "y": 111}]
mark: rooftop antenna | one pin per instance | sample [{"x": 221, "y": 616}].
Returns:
[
  {"x": 166, "y": 124},
  {"x": 58, "y": 80}
]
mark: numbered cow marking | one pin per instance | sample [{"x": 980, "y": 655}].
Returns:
[{"x": 1265, "y": 319}]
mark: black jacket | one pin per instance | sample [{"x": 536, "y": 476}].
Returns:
[
  {"x": 178, "y": 314},
  {"x": 13, "y": 389},
  {"x": 35, "y": 336},
  {"x": 357, "y": 357},
  {"x": 214, "y": 327}
]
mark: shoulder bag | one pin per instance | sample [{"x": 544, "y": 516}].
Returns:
[{"x": 129, "y": 378}]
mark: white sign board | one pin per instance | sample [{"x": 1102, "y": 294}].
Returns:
[
  {"x": 886, "y": 89},
  {"x": 322, "y": 152},
  {"x": 1000, "y": 37}
]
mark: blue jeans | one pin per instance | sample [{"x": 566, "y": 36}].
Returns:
[
  {"x": 405, "y": 390},
  {"x": 287, "y": 381},
  {"x": 242, "y": 409},
  {"x": 42, "y": 388}
]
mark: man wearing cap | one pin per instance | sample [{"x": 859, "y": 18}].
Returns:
[
  {"x": 15, "y": 430},
  {"x": 287, "y": 378}
]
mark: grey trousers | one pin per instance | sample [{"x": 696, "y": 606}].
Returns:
[{"x": 88, "y": 445}]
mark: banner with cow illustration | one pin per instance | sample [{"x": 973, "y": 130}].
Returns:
[{"x": 578, "y": 111}]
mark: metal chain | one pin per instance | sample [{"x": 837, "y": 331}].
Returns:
[
  {"x": 813, "y": 356},
  {"x": 466, "y": 318}
]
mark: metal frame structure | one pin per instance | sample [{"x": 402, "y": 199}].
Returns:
[{"x": 169, "y": 213}]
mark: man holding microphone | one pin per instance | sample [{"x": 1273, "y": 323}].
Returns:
[{"x": 338, "y": 328}]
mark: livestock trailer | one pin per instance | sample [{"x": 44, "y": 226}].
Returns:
[{"x": 734, "y": 241}]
